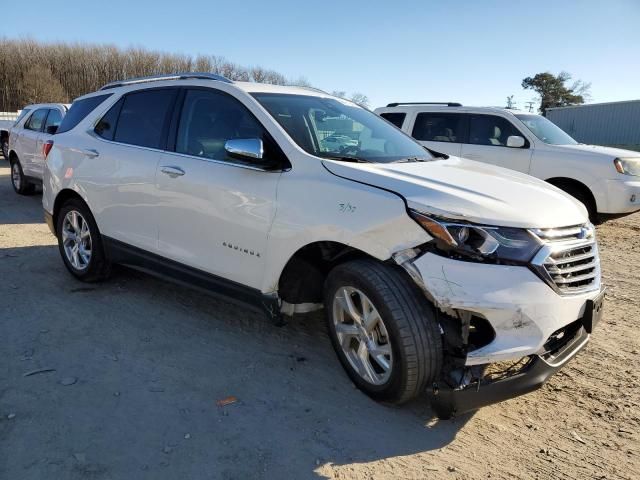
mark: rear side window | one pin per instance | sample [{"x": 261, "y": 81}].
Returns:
[
  {"x": 438, "y": 127},
  {"x": 491, "y": 130},
  {"x": 53, "y": 119},
  {"x": 79, "y": 110},
  {"x": 397, "y": 118},
  {"x": 143, "y": 118},
  {"x": 36, "y": 120}
]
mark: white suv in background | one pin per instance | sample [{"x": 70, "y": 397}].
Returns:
[
  {"x": 428, "y": 269},
  {"x": 606, "y": 180},
  {"x": 28, "y": 143}
]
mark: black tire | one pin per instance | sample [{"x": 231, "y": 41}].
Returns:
[
  {"x": 98, "y": 267},
  {"x": 5, "y": 149},
  {"x": 19, "y": 182},
  {"x": 413, "y": 332}
]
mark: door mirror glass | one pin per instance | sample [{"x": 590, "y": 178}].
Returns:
[
  {"x": 51, "y": 129},
  {"x": 245, "y": 148},
  {"x": 515, "y": 141}
]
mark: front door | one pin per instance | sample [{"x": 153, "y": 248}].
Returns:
[
  {"x": 440, "y": 132},
  {"x": 487, "y": 142},
  {"x": 215, "y": 211}
]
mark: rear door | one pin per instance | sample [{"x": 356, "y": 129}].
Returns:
[
  {"x": 215, "y": 211},
  {"x": 54, "y": 118},
  {"x": 28, "y": 142},
  {"x": 487, "y": 142},
  {"x": 123, "y": 168},
  {"x": 441, "y": 132}
]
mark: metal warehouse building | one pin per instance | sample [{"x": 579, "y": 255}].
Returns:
[{"x": 615, "y": 124}]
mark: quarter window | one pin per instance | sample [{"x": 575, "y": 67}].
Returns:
[
  {"x": 106, "y": 127},
  {"x": 143, "y": 117},
  {"x": 36, "y": 120},
  {"x": 491, "y": 130},
  {"x": 397, "y": 118},
  {"x": 210, "y": 118},
  {"x": 438, "y": 127},
  {"x": 53, "y": 119}
]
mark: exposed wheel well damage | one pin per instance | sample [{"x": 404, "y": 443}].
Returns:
[
  {"x": 302, "y": 279},
  {"x": 571, "y": 185},
  {"x": 61, "y": 199}
]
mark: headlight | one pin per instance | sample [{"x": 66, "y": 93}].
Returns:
[
  {"x": 628, "y": 166},
  {"x": 479, "y": 242}
]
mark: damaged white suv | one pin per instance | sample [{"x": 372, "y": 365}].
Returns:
[{"x": 429, "y": 269}]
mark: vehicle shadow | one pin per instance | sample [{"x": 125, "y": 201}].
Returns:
[
  {"x": 14, "y": 208},
  {"x": 151, "y": 360}
]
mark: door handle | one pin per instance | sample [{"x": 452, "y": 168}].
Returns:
[
  {"x": 89, "y": 152},
  {"x": 172, "y": 171}
]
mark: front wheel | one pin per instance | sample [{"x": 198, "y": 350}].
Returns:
[
  {"x": 383, "y": 330},
  {"x": 80, "y": 243},
  {"x": 5, "y": 149}
]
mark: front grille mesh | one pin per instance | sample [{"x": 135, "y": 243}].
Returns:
[{"x": 571, "y": 262}]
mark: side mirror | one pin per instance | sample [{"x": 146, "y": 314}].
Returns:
[
  {"x": 515, "y": 141},
  {"x": 245, "y": 148},
  {"x": 51, "y": 129}
]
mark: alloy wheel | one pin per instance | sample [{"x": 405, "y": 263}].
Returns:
[
  {"x": 16, "y": 176},
  {"x": 362, "y": 335},
  {"x": 76, "y": 240}
]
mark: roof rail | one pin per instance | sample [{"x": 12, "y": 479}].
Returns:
[
  {"x": 448, "y": 104},
  {"x": 170, "y": 76}
]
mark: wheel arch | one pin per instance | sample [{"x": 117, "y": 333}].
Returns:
[
  {"x": 561, "y": 182},
  {"x": 303, "y": 276},
  {"x": 63, "y": 196}
]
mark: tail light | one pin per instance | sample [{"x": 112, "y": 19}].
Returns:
[{"x": 46, "y": 148}]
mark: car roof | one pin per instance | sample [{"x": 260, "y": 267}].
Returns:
[
  {"x": 33, "y": 106},
  {"x": 430, "y": 107},
  {"x": 224, "y": 84}
]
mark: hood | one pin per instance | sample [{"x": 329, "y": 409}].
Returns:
[
  {"x": 468, "y": 190},
  {"x": 599, "y": 150}
]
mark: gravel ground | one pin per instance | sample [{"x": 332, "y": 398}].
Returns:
[{"x": 121, "y": 380}]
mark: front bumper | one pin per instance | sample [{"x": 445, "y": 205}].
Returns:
[
  {"x": 622, "y": 196},
  {"x": 527, "y": 316},
  {"x": 447, "y": 401},
  {"x": 522, "y": 310}
]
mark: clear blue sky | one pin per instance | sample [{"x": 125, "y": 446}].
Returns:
[{"x": 475, "y": 52}]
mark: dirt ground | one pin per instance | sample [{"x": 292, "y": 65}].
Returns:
[{"x": 138, "y": 364}]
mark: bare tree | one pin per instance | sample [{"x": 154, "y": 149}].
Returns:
[
  {"x": 39, "y": 86},
  {"x": 361, "y": 99}
]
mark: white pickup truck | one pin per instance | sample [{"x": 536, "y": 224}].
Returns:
[{"x": 606, "y": 180}]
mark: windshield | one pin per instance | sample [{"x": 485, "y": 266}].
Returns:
[
  {"x": 337, "y": 129},
  {"x": 545, "y": 130},
  {"x": 21, "y": 116}
]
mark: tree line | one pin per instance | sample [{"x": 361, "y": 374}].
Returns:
[{"x": 35, "y": 72}]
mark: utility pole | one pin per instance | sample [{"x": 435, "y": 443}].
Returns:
[
  {"x": 530, "y": 106},
  {"x": 510, "y": 103}
]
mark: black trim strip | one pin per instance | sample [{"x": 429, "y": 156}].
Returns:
[{"x": 125, "y": 254}]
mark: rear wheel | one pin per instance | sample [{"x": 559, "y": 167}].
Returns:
[
  {"x": 383, "y": 330},
  {"x": 20, "y": 184},
  {"x": 80, "y": 243},
  {"x": 5, "y": 149}
]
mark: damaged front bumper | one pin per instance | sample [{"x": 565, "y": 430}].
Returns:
[{"x": 530, "y": 325}]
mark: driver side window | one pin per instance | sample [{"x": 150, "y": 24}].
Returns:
[{"x": 209, "y": 118}]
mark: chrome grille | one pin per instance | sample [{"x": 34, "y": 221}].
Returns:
[{"x": 568, "y": 260}]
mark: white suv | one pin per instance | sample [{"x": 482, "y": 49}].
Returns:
[
  {"x": 428, "y": 269},
  {"x": 28, "y": 143},
  {"x": 606, "y": 180}
]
